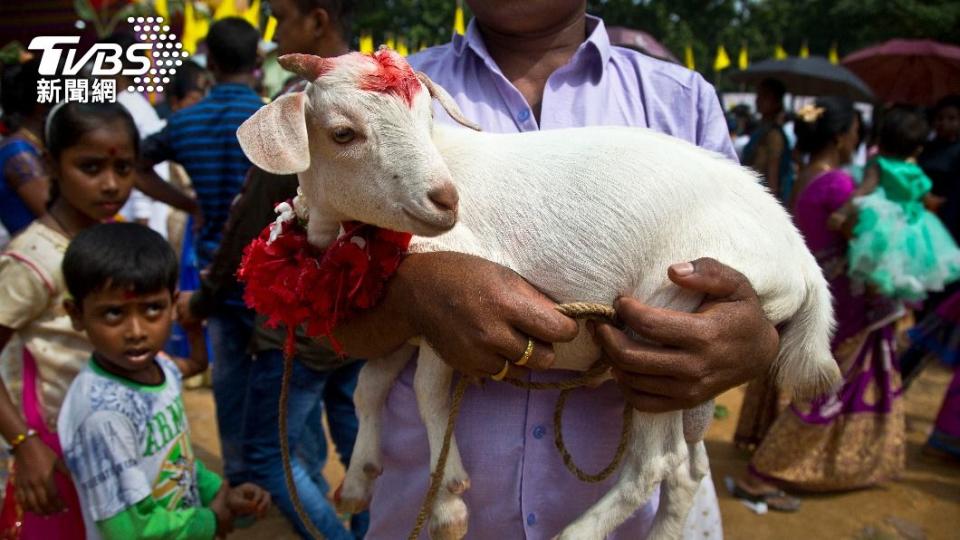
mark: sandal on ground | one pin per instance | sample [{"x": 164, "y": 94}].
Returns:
[{"x": 776, "y": 499}]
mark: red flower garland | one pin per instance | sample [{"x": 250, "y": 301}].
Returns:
[{"x": 293, "y": 283}]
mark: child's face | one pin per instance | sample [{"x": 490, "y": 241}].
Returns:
[
  {"x": 95, "y": 176},
  {"x": 126, "y": 329},
  {"x": 947, "y": 123}
]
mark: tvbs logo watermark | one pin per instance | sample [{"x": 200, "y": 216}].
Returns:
[{"x": 151, "y": 64}]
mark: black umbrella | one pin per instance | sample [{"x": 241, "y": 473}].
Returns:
[{"x": 813, "y": 76}]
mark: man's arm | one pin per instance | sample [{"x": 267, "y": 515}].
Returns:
[
  {"x": 724, "y": 343},
  {"x": 156, "y": 149},
  {"x": 474, "y": 313}
]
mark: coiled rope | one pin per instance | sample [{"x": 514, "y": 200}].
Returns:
[{"x": 576, "y": 310}]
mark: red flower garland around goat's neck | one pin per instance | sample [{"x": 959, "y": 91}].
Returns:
[{"x": 294, "y": 283}]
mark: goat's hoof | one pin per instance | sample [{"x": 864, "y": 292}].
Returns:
[
  {"x": 351, "y": 499},
  {"x": 372, "y": 470},
  {"x": 449, "y": 520},
  {"x": 458, "y": 486},
  {"x": 350, "y": 506}
]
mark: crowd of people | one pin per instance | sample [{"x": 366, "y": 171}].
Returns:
[
  {"x": 127, "y": 222},
  {"x": 875, "y": 231}
]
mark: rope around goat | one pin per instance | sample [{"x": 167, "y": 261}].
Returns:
[{"x": 575, "y": 310}]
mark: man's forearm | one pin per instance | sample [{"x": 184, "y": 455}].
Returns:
[{"x": 384, "y": 328}]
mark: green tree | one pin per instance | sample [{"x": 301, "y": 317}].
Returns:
[{"x": 759, "y": 24}]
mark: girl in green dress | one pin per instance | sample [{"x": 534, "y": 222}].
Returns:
[{"x": 898, "y": 248}]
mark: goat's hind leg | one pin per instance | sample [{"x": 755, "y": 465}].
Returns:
[
  {"x": 677, "y": 492},
  {"x": 373, "y": 386},
  {"x": 432, "y": 383},
  {"x": 656, "y": 447}
]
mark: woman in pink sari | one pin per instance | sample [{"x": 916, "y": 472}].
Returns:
[{"x": 853, "y": 437}]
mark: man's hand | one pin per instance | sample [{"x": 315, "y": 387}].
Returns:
[
  {"x": 724, "y": 343},
  {"x": 477, "y": 314},
  {"x": 184, "y": 316}
]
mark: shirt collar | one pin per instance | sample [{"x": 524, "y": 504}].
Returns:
[{"x": 597, "y": 42}]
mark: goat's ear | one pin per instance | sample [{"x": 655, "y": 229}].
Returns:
[
  {"x": 275, "y": 137},
  {"x": 438, "y": 93}
]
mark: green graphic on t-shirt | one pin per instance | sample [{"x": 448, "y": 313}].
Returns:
[
  {"x": 175, "y": 479},
  {"x": 164, "y": 427}
]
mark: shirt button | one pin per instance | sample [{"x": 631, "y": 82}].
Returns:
[
  {"x": 538, "y": 433},
  {"x": 531, "y": 519},
  {"x": 524, "y": 115}
]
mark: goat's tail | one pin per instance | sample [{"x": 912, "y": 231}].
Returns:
[{"x": 806, "y": 365}]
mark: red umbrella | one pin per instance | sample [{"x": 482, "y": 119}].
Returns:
[{"x": 917, "y": 71}]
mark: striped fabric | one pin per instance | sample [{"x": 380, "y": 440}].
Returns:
[{"x": 203, "y": 138}]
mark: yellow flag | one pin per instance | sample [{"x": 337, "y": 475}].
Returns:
[
  {"x": 779, "y": 53},
  {"x": 162, "y": 9},
  {"x": 688, "y": 57},
  {"x": 458, "y": 26},
  {"x": 195, "y": 27},
  {"x": 402, "y": 49},
  {"x": 227, "y": 8},
  {"x": 270, "y": 29},
  {"x": 833, "y": 56},
  {"x": 804, "y": 50},
  {"x": 252, "y": 14},
  {"x": 391, "y": 42},
  {"x": 366, "y": 43},
  {"x": 722, "y": 61},
  {"x": 743, "y": 59}
]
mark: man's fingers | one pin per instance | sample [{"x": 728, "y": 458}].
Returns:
[
  {"x": 631, "y": 356},
  {"x": 539, "y": 319},
  {"x": 709, "y": 276},
  {"x": 663, "y": 326},
  {"x": 663, "y": 387},
  {"x": 541, "y": 357},
  {"x": 644, "y": 402}
]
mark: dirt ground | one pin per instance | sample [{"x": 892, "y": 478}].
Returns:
[{"x": 923, "y": 504}]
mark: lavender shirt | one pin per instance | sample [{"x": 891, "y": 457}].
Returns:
[{"x": 521, "y": 488}]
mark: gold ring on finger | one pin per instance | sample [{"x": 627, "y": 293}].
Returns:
[
  {"x": 499, "y": 376},
  {"x": 526, "y": 354}
]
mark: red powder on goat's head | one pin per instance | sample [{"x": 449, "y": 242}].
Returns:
[{"x": 392, "y": 76}]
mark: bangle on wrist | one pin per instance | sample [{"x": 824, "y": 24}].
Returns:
[{"x": 19, "y": 439}]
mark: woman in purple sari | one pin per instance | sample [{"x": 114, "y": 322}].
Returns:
[{"x": 853, "y": 437}]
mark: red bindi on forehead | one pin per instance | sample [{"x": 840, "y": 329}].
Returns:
[
  {"x": 391, "y": 76},
  {"x": 112, "y": 151},
  {"x": 130, "y": 294}
]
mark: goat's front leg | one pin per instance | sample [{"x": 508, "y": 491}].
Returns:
[
  {"x": 432, "y": 382},
  {"x": 373, "y": 386},
  {"x": 655, "y": 450}
]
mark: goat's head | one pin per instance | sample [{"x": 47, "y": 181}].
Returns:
[{"x": 360, "y": 139}]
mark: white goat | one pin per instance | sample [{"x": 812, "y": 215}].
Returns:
[{"x": 584, "y": 214}]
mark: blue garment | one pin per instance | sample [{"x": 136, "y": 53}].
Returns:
[
  {"x": 262, "y": 453},
  {"x": 14, "y": 213},
  {"x": 203, "y": 138},
  {"x": 229, "y": 330}
]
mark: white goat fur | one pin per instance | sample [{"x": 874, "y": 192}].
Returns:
[{"x": 586, "y": 214}]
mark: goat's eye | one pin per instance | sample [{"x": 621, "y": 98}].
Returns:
[{"x": 343, "y": 135}]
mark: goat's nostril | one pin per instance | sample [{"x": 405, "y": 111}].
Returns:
[{"x": 444, "y": 197}]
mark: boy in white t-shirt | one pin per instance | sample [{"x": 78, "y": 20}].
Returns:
[{"x": 122, "y": 424}]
